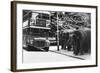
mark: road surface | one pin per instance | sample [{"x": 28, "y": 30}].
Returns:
[{"x": 50, "y": 56}]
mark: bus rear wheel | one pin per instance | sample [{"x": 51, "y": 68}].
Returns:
[{"x": 46, "y": 49}]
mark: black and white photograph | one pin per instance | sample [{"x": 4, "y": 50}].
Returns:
[
  {"x": 56, "y": 36},
  {"x": 53, "y": 36}
]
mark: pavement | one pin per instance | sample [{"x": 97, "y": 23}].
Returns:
[{"x": 70, "y": 53}]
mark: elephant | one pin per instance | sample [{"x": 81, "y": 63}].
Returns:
[
  {"x": 82, "y": 41},
  {"x": 66, "y": 40}
]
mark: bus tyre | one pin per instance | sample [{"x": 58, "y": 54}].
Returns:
[
  {"x": 29, "y": 48},
  {"x": 46, "y": 49}
]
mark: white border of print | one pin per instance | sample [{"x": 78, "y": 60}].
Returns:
[{"x": 21, "y": 65}]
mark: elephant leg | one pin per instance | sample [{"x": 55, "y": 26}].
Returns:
[
  {"x": 69, "y": 48},
  {"x": 77, "y": 47},
  {"x": 75, "y": 50},
  {"x": 64, "y": 46},
  {"x": 81, "y": 51}
]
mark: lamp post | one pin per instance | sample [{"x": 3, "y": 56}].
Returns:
[{"x": 57, "y": 33}]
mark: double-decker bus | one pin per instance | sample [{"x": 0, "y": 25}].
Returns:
[{"x": 36, "y": 31}]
